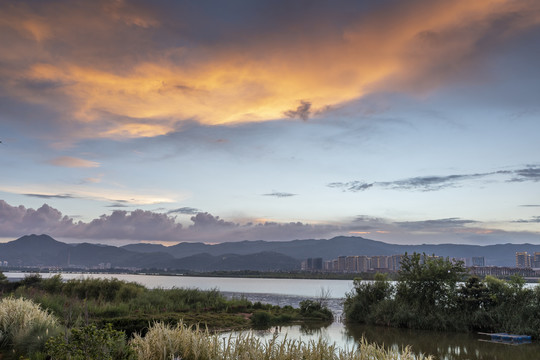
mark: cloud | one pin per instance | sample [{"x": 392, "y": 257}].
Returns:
[
  {"x": 530, "y": 205},
  {"x": 438, "y": 224},
  {"x": 530, "y": 173},
  {"x": 301, "y": 112},
  {"x": 352, "y": 186},
  {"x": 68, "y": 161},
  {"x": 235, "y": 62},
  {"x": 113, "y": 195},
  {"x": 117, "y": 205},
  {"x": 138, "y": 225},
  {"x": 534, "y": 219},
  {"x": 280, "y": 194},
  {"x": 184, "y": 210},
  {"x": 55, "y": 196},
  {"x": 435, "y": 183}
]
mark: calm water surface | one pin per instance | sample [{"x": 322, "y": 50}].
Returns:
[{"x": 444, "y": 346}]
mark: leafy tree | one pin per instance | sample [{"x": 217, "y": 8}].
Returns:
[
  {"x": 429, "y": 282},
  {"x": 360, "y": 305},
  {"x": 3, "y": 278}
]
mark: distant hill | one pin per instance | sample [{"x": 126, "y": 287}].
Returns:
[
  {"x": 262, "y": 261},
  {"x": 496, "y": 255},
  {"x": 43, "y": 250}
]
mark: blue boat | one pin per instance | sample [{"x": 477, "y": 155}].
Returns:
[{"x": 511, "y": 339}]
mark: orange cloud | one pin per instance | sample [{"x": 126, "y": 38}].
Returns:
[
  {"x": 68, "y": 161},
  {"x": 141, "y": 92}
]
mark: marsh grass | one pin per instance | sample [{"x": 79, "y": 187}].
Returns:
[
  {"x": 130, "y": 307},
  {"x": 182, "y": 342},
  {"x": 24, "y": 326}
]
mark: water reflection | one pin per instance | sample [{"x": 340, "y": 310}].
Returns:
[{"x": 444, "y": 346}]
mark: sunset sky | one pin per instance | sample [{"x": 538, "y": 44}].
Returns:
[{"x": 168, "y": 121}]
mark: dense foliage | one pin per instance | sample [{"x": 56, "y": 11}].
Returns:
[
  {"x": 436, "y": 294},
  {"x": 130, "y": 307},
  {"x": 95, "y": 317}
]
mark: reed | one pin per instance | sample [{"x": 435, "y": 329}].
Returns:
[
  {"x": 164, "y": 342},
  {"x": 24, "y": 326}
]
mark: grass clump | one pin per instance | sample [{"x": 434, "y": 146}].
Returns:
[
  {"x": 182, "y": 342},
  {"x": 24, "y": 326}
]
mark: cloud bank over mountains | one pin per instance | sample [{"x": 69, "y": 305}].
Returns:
[{"x": 141, "y": 225}]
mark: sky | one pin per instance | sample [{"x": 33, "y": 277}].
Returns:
[{"x": 165, "y": 121}]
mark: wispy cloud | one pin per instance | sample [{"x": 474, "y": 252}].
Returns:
[
  {"x": 352, "y": 186},
  {"x": 530, "y": 173},
  {"x": 436, "y": 182},
  {"x": 280, "y": 194},
  {"x": 534, "y": 219},
  {"x": 117, "y": 205},
  {"x": 434, "y": 224},
  {"x": 72, "y": 162},
  {"x": 184, "y": 210},
  {"x": 51, "y": 196},
  {"x": 112, "y": 195},
  {"x": 302, "y": 111}
]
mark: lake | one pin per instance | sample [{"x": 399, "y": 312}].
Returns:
[{"x": 444, "y": 346}]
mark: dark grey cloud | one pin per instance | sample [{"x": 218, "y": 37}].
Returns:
[
  {"x": 117, "y": 206},
  {"x": 55, "y": 196},
  {"x": 530, "y": 205},
  {"x": 280, "y": 194},
  {"x": 303, "y": 111},
  {"x": 206, "y": 220},
  {"x": 434, "y": 224},
  {"x": 352, "y": 186},
  {"x": 534, "y": 219},
  {"x": 530, "y": 173},
  {"x": 436, "y": 182},
  {"x": 184, "y": 210}
]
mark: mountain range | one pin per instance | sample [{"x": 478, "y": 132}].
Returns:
[{"x": 43, "y": 250}]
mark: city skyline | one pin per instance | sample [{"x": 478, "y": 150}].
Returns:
[{"x": 408, "y": 123}]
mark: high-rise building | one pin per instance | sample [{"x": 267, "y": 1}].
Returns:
[
  {"x": 536, "y": 261},
  {"x": 350, "y": 264},
  {"x": 379, "y": 262},
  {"x": 342, "y": 263},
  {"x": 394, "y": 262},
  {"x": 363, "y": 263},
  {"x": 523, "y": 260},
  {"x": 478, "y": 261}
]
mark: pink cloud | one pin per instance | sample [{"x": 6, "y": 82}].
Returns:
[{"x": 69, "y": 161}]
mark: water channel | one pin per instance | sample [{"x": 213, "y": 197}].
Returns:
[{"x": 444, "y": 346}]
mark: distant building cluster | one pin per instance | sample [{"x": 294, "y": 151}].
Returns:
[
  {"x": 354, "y": 264},
  {"x": 3, "y": 263},
  {"x": 526, "y": 265},
  {"x": 525, "y": 260}
]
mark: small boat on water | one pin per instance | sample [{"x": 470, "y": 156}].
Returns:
[{"x": 509, "y": 339}]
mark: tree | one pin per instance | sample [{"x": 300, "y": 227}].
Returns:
[{"x": 430, "y": 282}]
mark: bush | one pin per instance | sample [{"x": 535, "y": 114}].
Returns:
[
  {"x": 261, "y": 319},
  {"x": 90, "y": 342}
]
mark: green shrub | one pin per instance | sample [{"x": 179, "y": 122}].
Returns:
[
  {"x": 90, "y": 342},
  {"x": 261, "y": 318}
]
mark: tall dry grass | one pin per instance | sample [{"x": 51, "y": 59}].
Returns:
[
  {"x": 24, "y": 326},
  {"x": 164, "y": 342}
]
